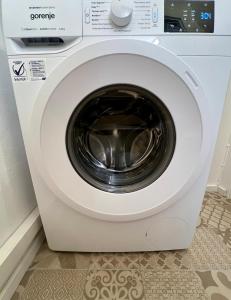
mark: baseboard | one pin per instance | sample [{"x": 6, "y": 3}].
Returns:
[
  {"x": 217, "y": 188},
  {"x": 223, "y": 191},
  {"x": 211, "y": 188},
  {"x": 14, "y": 280},
  {"x": 18, "y": 252}
]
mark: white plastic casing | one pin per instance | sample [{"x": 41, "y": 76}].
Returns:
[
  {"x": 207, "y": 68},
  {"x": 42, "y": 18},
  {"x": 72, "y": 18},
  {"x": 147, "y": 19}
]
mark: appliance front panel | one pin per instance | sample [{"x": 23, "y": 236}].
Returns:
[
  {"x": 42, "y": 18},
  {"x": 156, "y": 17},
  {"x": 84, "y": 80},
  {"x": 49, "y": 27},
  {"x": 49, "y": 18}
]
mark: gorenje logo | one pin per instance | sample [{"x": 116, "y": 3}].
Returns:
[{"x": 49, "y": 16}]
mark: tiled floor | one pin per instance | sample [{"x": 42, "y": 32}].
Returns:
[{"x": 201, "y": 272}]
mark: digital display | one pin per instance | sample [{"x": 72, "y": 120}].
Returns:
[
  {"x": 206, "y": 16},
  {"x": 189, "y": 16}
]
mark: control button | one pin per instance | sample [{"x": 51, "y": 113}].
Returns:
[
  {"x": 87, "y": 14},
  {"x": 155, "y": 14},
  {"x": 121, "y": 12}
]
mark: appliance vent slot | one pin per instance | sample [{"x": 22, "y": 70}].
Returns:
[{"x": 42, "y": 41}]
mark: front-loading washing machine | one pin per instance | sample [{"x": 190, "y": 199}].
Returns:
[{"x": 119, "y": 104}]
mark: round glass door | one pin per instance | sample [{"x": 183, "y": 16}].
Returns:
[{"x": 120, "y": 138}]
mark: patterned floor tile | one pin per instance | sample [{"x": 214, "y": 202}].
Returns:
[
  {"x": 165, "y": 260},
  {"x": 201, "y": 272},
  {"x": 217, "y": 284},
  {"x": 82, "y": 260},
  {"x": 215, "y": 198},
  {"x": 216, "y": 216},
  {"x": 48, "y": 259},
  {"x": 54, "y": 285},
  {"x": 114, "y": 285},
  {"x": 67, "y": 260},
  {"x": 20, "y": 289},
  {"x": 173, "y": 285},
  {"x": 208, "y": 251},
  {"x": 226, "y": 236},
  {"x": 122, "y": 261}
]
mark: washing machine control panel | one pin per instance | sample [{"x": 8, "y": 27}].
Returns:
[
  {"x": 118, "y": 17},
  {"x": 147, "y": 17},
  {"x": 189, "y": 16}
]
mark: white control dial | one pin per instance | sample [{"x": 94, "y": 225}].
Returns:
[{"x": 121, "y": 12}]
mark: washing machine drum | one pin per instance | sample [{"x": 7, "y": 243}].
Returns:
[
  {"x": 120, "y": 130},
  {"x": 121, "y": 138}
]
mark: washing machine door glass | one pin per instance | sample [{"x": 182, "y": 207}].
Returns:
[{"x": 120, "y": 138}]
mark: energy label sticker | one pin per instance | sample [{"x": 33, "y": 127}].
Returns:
[
  {"x": 37, "y": 70},
  {"x": 28, "y": 70}
]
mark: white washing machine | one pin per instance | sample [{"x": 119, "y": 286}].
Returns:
[{"x": 119, "y": 104}]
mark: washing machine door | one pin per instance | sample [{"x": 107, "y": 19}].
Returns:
[
  {"x": 121, "y": 138},
  {"x": 120, "y": 130}
]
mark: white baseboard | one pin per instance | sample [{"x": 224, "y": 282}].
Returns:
[
  {"x": 211, "y": 188},
  {"x": 223, "y": 191},
  {"x": 217, "y": 188},
  {"x": 14, "y": 280},
  {"x": 18, "y": 252}
]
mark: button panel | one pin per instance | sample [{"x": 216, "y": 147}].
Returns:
[
  {"x": 155, "y": 14},
  {"x": 147, "y": 18},
  {"x": 150, "y": 17},
  {"x": 189, "y": 16}
]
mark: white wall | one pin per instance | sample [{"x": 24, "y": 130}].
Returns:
[
  {"x": 17, "y": 198},
  {"x": 225, "y": 180},
  {"x": 220, "y": 174}
]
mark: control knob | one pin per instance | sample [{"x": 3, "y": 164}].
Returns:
[{"x": 121, "y": 12}]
